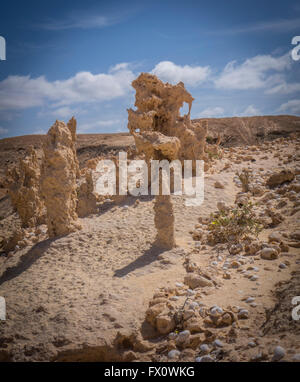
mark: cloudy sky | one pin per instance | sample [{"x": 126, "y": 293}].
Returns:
[{"x": 78, "y": 58}]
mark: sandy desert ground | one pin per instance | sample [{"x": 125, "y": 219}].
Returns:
[{"x": 92, "y": 295}]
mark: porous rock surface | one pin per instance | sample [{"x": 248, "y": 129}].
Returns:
[
  {"x": 161, "y": 133},
  {"x": 156, "y": 125},
  {"x": 164, "y": 221},
  {"x": 58, "y": 180},
  {"x": 23, "y": 182}
]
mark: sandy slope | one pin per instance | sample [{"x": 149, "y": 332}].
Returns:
[{"x": 68, "y": 298}]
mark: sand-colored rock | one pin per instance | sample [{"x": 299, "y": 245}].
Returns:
[
  {"x": 268, "y": 254},
  {"x": 156, "y": 125},
  {"x": 152, "y": 143},
  {"x": 164, "y": 221},
  {"x": 72, "y": 125},
  {"x": 194, "y": 280},
  {"x": 58, "y": 181},
  {"x": 23, "y": 182},
  {"x": 280, "y": 177},
  {"x": 11, "y": 242},
  {"x": 97, "y": 282},
  {"x": 161, "y": 133},
  {"x": 165, "y": 324}
]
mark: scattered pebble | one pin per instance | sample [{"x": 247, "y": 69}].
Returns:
[
  {"x": 183, "y": 337},
  {"x": 172, "y": 336},
  {"x": 190, "y": 292},
  {"x": 204, "y": 348},
  {"x": 194, "y": 305},
  {"x": 216, "y": 310},
  {"x": 173, "y": 354},
  {"x": 204, "y": 358},
  {"x": 243, "y": 314},
  {"x": 218, "y": 343},
  {"x": 279, "y": 353}
]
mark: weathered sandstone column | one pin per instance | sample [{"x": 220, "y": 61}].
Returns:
[{"x": 58, "y": 181}]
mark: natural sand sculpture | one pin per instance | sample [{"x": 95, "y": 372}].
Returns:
[
  {"x": 111, "y": 245},
  {"x": 72, "y": 125},
  {"x": 164, "y": 221},
  {"x": 161, "y": 133},
  {"x": 24, "y": 189},
  {"x": 58, "y": 180},
  {"x": 157, "y": 126}
]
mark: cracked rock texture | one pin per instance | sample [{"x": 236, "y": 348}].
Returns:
[
  {"x": 23, "y": 182},
  {"x": 72, "y": 125},
  {"x": 164, "y": 221},
  {"x": 156, "y": 125},
  {"x": 58, "y": 180},
  {"x": 161, "y": 133}
]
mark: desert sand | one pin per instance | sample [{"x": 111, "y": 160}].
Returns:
[{"x": 106, "y": 292}]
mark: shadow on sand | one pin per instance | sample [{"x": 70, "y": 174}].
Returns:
[
  {"x": 147, "y": 258},
  {"x": 129, "y": 200},
  {"x": 26, "y": 260}
]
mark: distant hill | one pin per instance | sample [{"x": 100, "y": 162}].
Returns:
[
  {"x": 250, "y": 130},
  {"x": 233, "y": 130}
]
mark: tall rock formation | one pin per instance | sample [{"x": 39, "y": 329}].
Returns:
[{"x": 58, "y": 180}]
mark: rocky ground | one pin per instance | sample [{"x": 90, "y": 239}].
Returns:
[{"x": 105, "y": 293}]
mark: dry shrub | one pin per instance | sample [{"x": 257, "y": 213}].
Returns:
[
  {"x": 235, "y": 224},
  {"x": 244, "y": 177}
]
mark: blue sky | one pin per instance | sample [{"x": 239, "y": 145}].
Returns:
[{"x": 78, "y": 58}]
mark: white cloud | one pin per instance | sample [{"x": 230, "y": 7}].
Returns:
[
  {"x": 21, "y": 92},
  {"x": 211, "y": 112},
  {"x": 283, "y": 25},
  {"x": 90, "y": 126},
  {"x": 253, "y": 73},
  {"x": 250, "y": 111},
  {"x": 40, "y": 132},
  {"x": 190, "y": 75},
  {"x": 284, "y": 88},
  {"x": 3, "y": 131},
  {"x": 79, "y": 21},
  {"x": 61, "y": 112},
  {"x": 292, "y": 106},
  {"x": 117, "y": 67}
]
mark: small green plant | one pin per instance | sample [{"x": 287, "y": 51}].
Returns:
[
  {"x": 212, "y": 155},
  {"x": 233, "y": 225}
]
